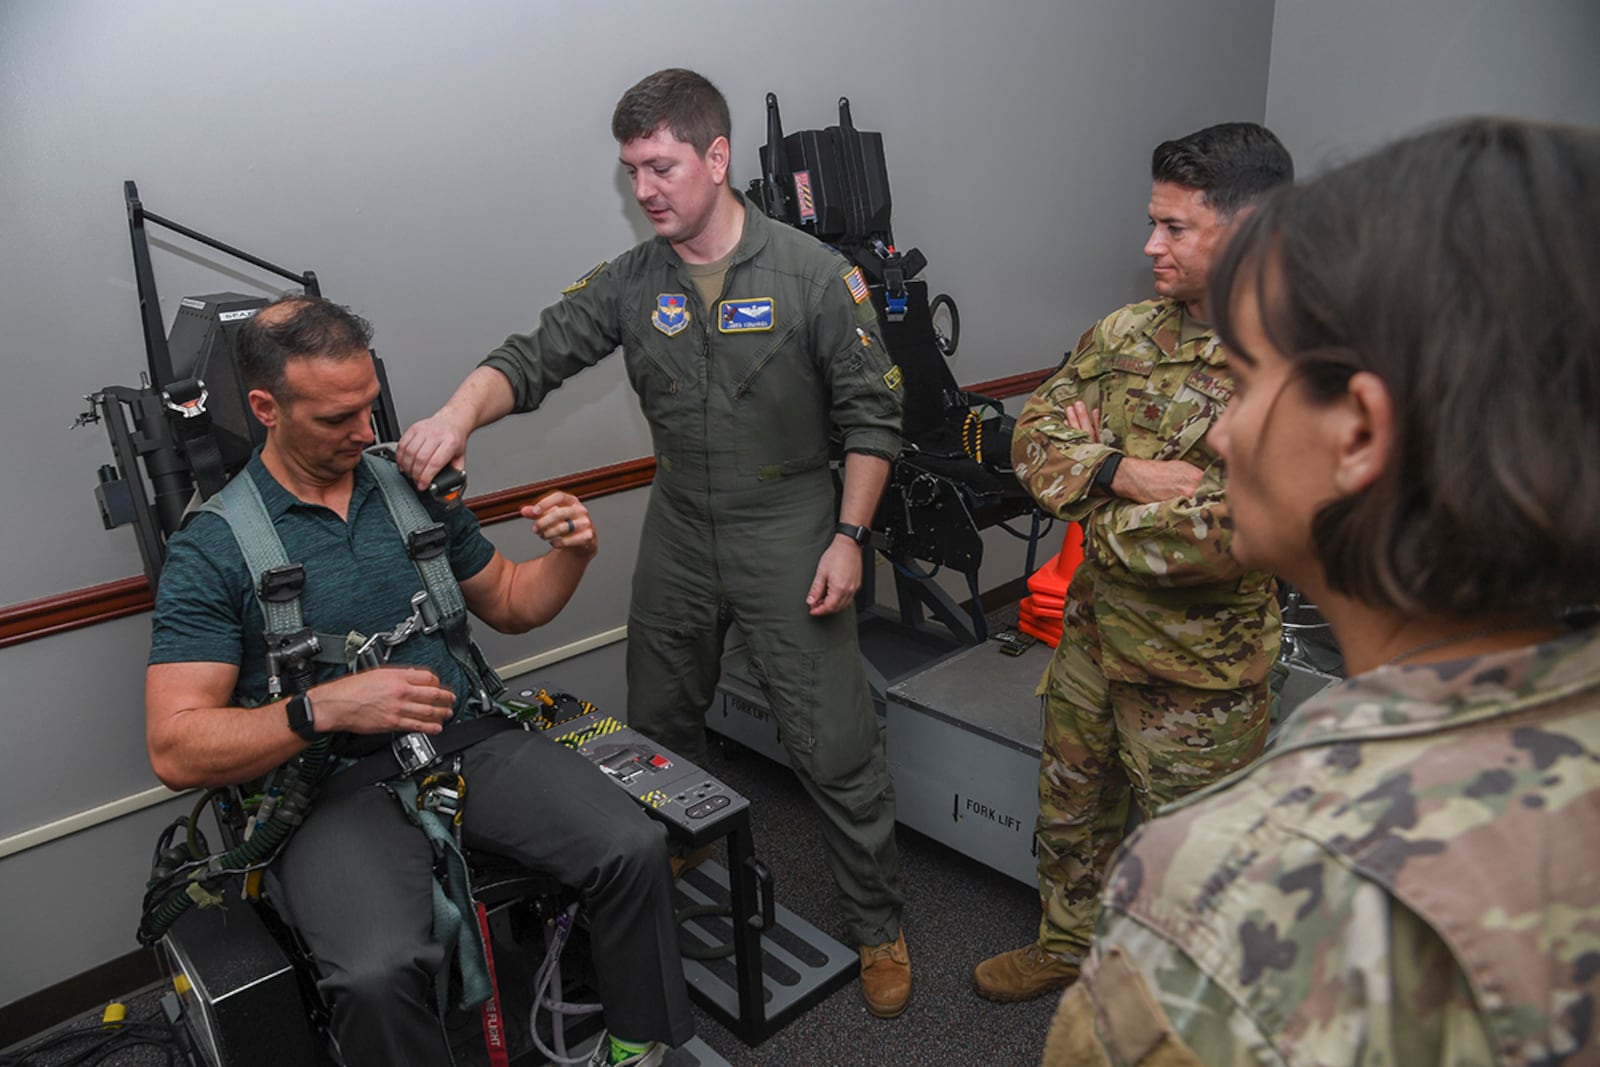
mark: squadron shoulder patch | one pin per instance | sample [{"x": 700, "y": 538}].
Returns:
[
  {"x": 671, "y": 314},
  {"x": 857, "y": 284},
  {"x": 745, "y": 316},
  {"x": 585, "y": 280}
]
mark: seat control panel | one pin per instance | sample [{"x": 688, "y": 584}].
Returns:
[{"x": 695, "y": 806}]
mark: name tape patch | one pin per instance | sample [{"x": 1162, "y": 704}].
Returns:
[{"x": 745, "y": 316}]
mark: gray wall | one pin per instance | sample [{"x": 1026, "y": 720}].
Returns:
[
  {"x": 1349, "y": 76},
  {"x": 446, "y": 169}
]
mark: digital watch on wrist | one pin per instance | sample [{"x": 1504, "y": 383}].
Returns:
[
  {"x": 301, "y": 720},
  {"x": 1107, "y": 473},
  {"x": 859, "y": 534}
]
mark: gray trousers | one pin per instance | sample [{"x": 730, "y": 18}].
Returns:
[
  {"x": 697, "y": 573},
  {"x": 356, "y": 881}
]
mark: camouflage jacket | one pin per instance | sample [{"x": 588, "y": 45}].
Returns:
[
  {"x": 1168, "y": 601},
  {"x": 1412, "y": 876}
]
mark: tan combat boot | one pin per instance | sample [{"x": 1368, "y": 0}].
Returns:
[
  {"x": 886, "y": 977},
  {"x": 1023, "y": 974}
]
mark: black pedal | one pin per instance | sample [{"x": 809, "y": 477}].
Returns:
[{"x": 1012, "y": 642}]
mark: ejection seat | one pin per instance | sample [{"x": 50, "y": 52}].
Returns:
[
  {"x": 517, "y": 907},
  {"x": 245, "y": 988}
]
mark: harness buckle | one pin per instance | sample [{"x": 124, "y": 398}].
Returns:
[
  {"x": 426, "y": 542},
  {"x": 281, "y": 584},
  {"x": 424, "y": 612},
  {"x": 186, "y": 399},
  {"x": 412, "y": 752},
  {"x": 443, "y": 794}
]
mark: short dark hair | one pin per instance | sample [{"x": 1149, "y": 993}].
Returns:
[
  {"x": 685, "y": 103},
  {"x": 1459, "y": 267},
  {"x": 297, "y": 327},
  {"x": 1232, "y": 163}
]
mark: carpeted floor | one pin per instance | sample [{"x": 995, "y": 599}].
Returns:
[{"x": 958, "y": 912}]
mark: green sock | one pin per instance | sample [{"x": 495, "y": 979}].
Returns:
[{"x": 621, "y": 1050}]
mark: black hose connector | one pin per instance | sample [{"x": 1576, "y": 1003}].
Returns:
[{"x": 262, "y": 845}]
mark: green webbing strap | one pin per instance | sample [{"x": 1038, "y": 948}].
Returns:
[
  {"x": 455, "y": 919},
  {"x": 409, "y": 516},
  {"x": 241, "y": 507},
  {"x": 239, "y": 504}
]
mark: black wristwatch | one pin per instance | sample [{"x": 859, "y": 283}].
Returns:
[
  {"x": 300, "y": 718},
  {"x": 859, "y": 534}
]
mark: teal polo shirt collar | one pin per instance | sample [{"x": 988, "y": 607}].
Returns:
[{"x": 279, "y": 501}]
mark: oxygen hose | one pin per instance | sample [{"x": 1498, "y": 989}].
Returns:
[{"x": 254, "y": 852}]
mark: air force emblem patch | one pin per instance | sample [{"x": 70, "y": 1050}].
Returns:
[
  {"x": 745, "y": 316},
  {"x": 671, "y": 314}
]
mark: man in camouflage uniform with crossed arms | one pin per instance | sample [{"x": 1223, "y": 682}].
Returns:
[{"x": 1159, "y": 685}]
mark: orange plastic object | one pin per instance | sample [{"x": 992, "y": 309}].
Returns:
[
  {"x": 1052, "y": 579},
  {"x": 1045, "y": 627}
]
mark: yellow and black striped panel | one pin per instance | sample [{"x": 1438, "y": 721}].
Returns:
[{"x": 589, "y": 731}]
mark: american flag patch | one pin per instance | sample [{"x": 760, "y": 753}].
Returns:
[{"x": 857, "y": 284}]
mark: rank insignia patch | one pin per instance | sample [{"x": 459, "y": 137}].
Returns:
[
  {"x": 671, "y": 314},
  {"x": 892, "y": 377},
  {"x": 585, "y": 280},
  {"x": 857, "y": 284},
  {"x": 745, "y": 316}
]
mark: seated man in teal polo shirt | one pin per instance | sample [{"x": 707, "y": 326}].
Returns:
[{"x": 356, "y": 877}]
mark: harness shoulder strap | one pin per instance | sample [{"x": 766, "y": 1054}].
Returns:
[
  {"x": 410, "y": 517},
  {"x": 240, "y": 505}
]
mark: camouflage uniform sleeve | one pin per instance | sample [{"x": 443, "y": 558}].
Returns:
[
  {"x": 863, "y": 380},
  {"x": 576, "y": 332},
  {"x": 1167, "y": 543},
  {"x": 1378, "y": 980},
  {"x": 1055, "y": 463},
  {"x": 1135, "y": 976}
]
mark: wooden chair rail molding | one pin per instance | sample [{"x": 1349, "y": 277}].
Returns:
[{"x": 129, "y": 596}]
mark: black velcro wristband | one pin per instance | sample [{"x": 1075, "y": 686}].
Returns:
[{"x": 1107, "y": 473}]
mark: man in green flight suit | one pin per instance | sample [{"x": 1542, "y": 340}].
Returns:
[
  {"x": 1159, "y": 684},
  {"x": 747, "y": 341}
]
